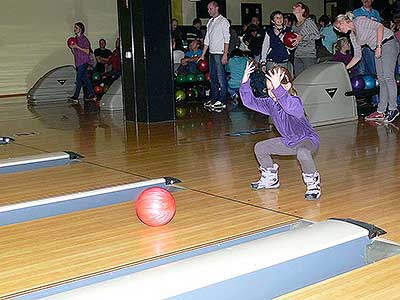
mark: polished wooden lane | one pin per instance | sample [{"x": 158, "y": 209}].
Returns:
[
  {"x": 13, "y": 150},
  {"x": 56, "y": 181},
  {"x": 57, "y": 249},
  {"x": 377, "y": 281},
  {"x": 359, "y": 162}
]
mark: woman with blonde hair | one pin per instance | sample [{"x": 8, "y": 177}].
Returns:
[{"x": 364, "y": 31}]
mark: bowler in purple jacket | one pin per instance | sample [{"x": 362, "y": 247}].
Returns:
[{"x": 298, "y": 137}]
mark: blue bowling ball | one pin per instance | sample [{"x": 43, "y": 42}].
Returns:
[{"x": 370, "y": 82}]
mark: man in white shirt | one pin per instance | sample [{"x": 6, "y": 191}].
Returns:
[{"x": 217, "y": 42}]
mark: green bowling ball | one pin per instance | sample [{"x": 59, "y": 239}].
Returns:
[
  {"x": 96, "y": 76},
  {"x": 191, "y": 77},
  {"x": 201, "y": 77},
  {"x": 180, "y": 78},
  {"x": 180, "y": 95},
  {"x": 180, "y": 112}
]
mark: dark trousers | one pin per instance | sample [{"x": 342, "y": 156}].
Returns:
[{"x": 82, "y": 78}]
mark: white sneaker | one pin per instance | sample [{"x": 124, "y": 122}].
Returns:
[
  {"x": 269, "y": 179},
  {"x": 217, "y": 105},
  {"x": 313, "y": 183},
  {"x": 208, "y": 103}
]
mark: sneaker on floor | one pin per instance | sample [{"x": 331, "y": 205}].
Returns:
[
  {"x": 375, "y": 116},
  {"x": 91, "y": 98},
  {"x": 391, "y": 116},
  {"x": 73, "y": 99},
  {"x": 218, "y": 105},
  {"x": 208, "y": 103}
]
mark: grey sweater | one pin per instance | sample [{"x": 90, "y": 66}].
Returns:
[{"x": 310, "y": 33}]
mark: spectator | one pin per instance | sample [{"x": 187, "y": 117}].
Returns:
[
  {"x": 115, "y": 59},
  {"x": 217, "y": 41},
  {"x": 253, "y": 40},
  {"x": 367, "y": 63},
  {"x": 103, "y": 56},
  {"x": 176, "y": 34},
  {"x": 328, "y": 39},
  {"x": 177, "y": 55},
  {"x": 343, "y": 53},
  {"x": 236, "y": 66},
  {"x": 307, "y": 32},
  {"x": 376, "y": 36},
  {"x": 189, "y": 62},
  {"x": 234, "y": 41},
  {"x": 274, "y": 52},
  {"x": 194, "y": 32}
]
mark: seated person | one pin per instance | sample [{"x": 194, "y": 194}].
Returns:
[
  {"x": 189, "y": 62},
  {"x": 177, "y": 56},
  {"x": 253, "y": 40},
  {"x": 102, "y": 55},
  {"x": 194, "y": 32},
  {"x": 343, "y": 53},
  {"x": 115, "y": 59},
  {"x": 236, "y": 66}
]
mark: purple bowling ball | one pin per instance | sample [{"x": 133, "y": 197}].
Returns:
[{"x": 357, "y": 83}]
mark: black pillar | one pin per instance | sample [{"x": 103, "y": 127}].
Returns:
[{"x": 152, "y": 98}]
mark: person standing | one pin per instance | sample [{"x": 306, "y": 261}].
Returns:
[
  {"x": 367, "y": 66},
  {"x": 274, "y": 51},
  {"x": 364, "y": 31},
  {"x": 103, "y": 56},
  {"x": 307, "y": 33},
  {"x": 217, "y": 42},
  {"x": 81, "y": 51}
]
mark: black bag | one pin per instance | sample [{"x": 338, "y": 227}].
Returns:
[{"x": 258, "y": 83}]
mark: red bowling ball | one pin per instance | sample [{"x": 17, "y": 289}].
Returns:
[
  {"x": 155, "y": 206},
  {"x": 202, "y": 65},
  {"x": 71, "y": 41},
  {"x": 98, "y": 89},
  {"x": 289, "y": 39}
]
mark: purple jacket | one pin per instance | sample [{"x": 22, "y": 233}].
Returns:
[
  {"x": 80, "y": 56},
  {"x": 287, "y": 114}
]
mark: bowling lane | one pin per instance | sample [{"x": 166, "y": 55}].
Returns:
[
  {"x": 55, "y": 181},
  {"x": 63, "y": 248},
  {"x": 13, "y": 150}
]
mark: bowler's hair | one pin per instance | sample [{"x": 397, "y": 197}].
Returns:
[
  {"x": 306, "y": 12},
  {"x": 81, "y": 26},
  {"x": 347, "y": 17},
  {"x": 273, "y": 14},
  {"x": 340, "y": 43},
  {"x": 287, "y": 78}
]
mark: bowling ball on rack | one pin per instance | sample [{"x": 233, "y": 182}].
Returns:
[
  {"x": 370, "y": 82},
  {"x": 200, "y": 77},
  {"x": 190, "y": 78},
  {"x": 180, "y": 78},
  {"x": 180, "y": 96},
  {"x": 357, "y": 83},
  {"x": 98, "y": 89},
  {"x": 96, "y": 76}
]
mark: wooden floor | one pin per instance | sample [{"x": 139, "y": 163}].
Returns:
[{"x": 358, "y": 162}]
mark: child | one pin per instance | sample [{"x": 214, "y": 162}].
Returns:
[
  {"x": 297, "y": 135},
  {"x": 274, "y": 52},
  {"x": 343, "y": 54},
  {"x": 189, "y": 62},
  {"x": 236, "y": 66}
]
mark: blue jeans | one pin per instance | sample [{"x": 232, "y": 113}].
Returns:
[
  {"x": 217, "y": 78},
  {"x": 82, "y": 78},
  {"x": 367, "y": 67}
]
